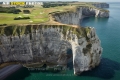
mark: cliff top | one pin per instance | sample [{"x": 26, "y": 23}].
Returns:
[
  {"x": 17, "y": 30},
  {"x": 39, "y": 15}
]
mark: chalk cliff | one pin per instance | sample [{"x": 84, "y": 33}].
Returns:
[
  {"x": 49, "y": 44},
  {"x": 101, "y": 5},
  {"x": 75, "y": 17}
]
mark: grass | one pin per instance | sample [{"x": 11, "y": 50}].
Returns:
[
  {"x": 38, "y": 14},
  {"x": 17, "y": 30}
]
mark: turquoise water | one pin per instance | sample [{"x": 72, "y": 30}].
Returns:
[{"x": 108, "y": 30}]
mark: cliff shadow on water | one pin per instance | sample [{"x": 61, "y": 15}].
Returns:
[
  {"x": 21, "y": 74},
  {"x": 106, "y": 69}
]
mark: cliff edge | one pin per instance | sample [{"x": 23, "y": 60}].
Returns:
[{"x": 38, "y": 44}]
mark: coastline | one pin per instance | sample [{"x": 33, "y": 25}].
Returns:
[{"x": 7, "y": 71}]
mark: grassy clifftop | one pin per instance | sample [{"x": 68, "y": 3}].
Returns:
[
  {"x": 40, "y": 15},
  {"x": 15, "y": 30},
  {"x": 37, "y": 15}
]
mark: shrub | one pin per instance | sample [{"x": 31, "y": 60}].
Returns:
[
  {"x": 21, "y": 18},
  {"x": 26, "y": 11},
  {"x": 9, "y": 10}
]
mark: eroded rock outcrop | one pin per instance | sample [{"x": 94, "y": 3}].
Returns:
[
  {"x": 37, "y": 44},
  {"x": 81, "y": 60},
  {"x": 48, "y": 44},
  {"x": 75, "y": 17},
  {"x": 101, "y": 5}
]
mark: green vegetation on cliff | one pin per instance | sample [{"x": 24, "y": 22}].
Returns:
[
  {"x": 40, "y": 15},
  {"x": 17, "y": 30}
]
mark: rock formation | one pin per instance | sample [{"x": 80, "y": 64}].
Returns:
[
  {"x": 48, "y": 44},
  {"x": 101, "y": 5},
  {"x": 75, "y": 17}
]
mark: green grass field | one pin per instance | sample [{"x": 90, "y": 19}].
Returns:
[{"x": 38, "y": 14}]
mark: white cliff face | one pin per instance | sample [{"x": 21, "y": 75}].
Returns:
[
  {"x": 74, "y": 18},
  {"x": 86, "y": 53},
  {"x": 103, "y": 14},
  {"x": 101, "y": 5},
  {"x": 50, "y": 45}
]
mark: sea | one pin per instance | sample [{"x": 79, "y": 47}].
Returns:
[{"x": 108, "y": 31}]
